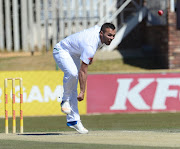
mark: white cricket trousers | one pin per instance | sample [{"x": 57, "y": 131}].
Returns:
[{"x": 70, "y": 65}]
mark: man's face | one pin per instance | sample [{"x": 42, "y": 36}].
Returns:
[{"x": 107, "y": 36}]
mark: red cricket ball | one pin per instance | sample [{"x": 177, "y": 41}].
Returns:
[{"x": 160, "y": 12}]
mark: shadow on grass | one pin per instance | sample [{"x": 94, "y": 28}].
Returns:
[
  {"x": 42, "y": 134},
  {"x": 148, "y": 62}
]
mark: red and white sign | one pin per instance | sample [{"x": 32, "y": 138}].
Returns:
[{"x": 115, "y": 93}]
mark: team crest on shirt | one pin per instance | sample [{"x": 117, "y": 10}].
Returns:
[{"x": 90, "y": 58}]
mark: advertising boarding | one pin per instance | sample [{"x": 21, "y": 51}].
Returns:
[
  {"x": 42, "y": 93},
  {"x": 105, "y": 93},
  {"x": 119, "y": 93}
]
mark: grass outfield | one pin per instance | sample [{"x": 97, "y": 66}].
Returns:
[
  {"x": 168, "y": 123},
  {"x": 11, "y": 144},
  {"x": 44, "y": 61}
]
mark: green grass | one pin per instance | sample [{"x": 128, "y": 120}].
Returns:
[
  {"x": 45, "y": 61},
  {"x": 123, "y": 65},
  {"x": 163, "y": 122},
  {"x": 9, "y": 144},
  {"x": 37, "y": 62},
  {"x": 169, "y": 122}
]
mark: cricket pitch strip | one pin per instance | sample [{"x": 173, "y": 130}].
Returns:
[{"x": 137, "y": 138}]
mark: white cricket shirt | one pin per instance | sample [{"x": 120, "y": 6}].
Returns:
[{"x": 83, "y": 44}]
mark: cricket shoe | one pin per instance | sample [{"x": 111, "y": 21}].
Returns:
[
  {"x": 77, "y": 125},
  {"x": 65, "y": 107}
]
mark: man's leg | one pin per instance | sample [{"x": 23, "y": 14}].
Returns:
[
  {"x": 67, "y": 65},
  {"x": 70, "y": 66},
  {"x": 73, "y": 119},
  {"x": 74, "y": 116}
]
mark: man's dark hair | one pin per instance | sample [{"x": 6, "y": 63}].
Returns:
[{"x": 107, "y": 25}]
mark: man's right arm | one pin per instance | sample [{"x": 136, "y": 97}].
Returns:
[{"x": 82, "y": 80}]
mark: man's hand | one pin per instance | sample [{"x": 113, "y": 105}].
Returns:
[{"x": 81, "y": 96}]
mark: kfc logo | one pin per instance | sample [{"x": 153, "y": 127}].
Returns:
[{"x": 162, "y": 92}]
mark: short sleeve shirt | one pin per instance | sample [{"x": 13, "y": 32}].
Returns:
[{"x": 83, "y": 44}]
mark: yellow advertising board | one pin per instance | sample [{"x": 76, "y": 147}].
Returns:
[{"x": 42, "y": 93}]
